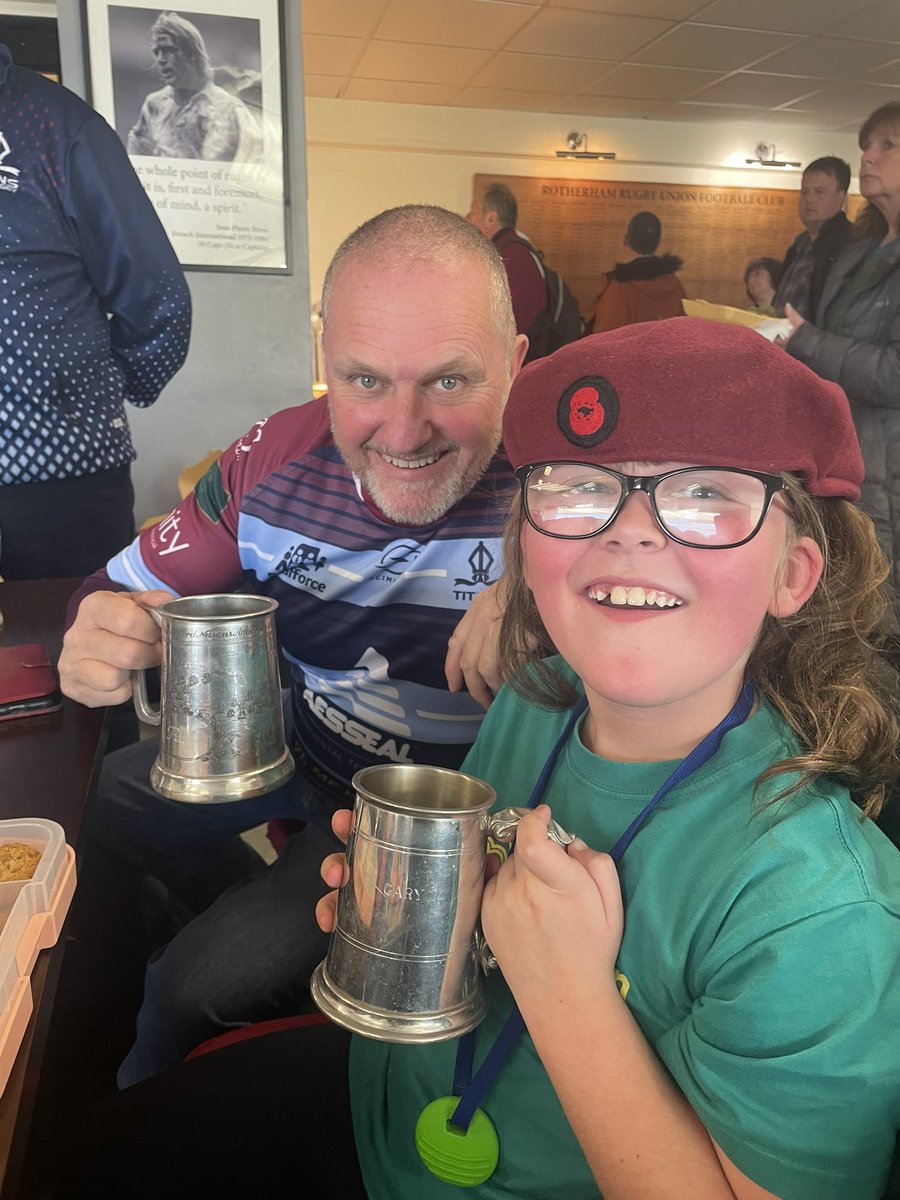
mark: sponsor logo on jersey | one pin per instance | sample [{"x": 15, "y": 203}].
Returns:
[
  {"x": 396, "y": 560},
  {"x": 480, "y": 561},
  {"x": 297, "y": 564},
  {"x": 167, "y": 535},
  {"x": 9, "y": 175},
  {"x": 355, "y": 733},
  {"x": 249, "y": 440}
]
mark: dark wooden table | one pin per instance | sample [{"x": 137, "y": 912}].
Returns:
[{"x": 48, "y": 768}]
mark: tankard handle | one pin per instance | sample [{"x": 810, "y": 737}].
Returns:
[
  {"x": 142, "y": 706},
  {"x": 503, "y": 828},
  {"x": 505, "y": 822}
]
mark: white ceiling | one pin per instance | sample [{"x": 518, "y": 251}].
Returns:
[{"x": 816, "y": 64}]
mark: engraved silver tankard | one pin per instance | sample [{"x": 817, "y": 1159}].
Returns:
[
  {"x": 406, "y": 960},
  {"x": 221, "y": 727}
]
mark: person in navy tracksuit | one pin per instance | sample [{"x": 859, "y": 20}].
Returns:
[{"x": 94, "y": 311}]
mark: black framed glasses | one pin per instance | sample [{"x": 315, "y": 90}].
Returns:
[{"x": 712, "y": 508}]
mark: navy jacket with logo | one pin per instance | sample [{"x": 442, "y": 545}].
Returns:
[{"x": 94, "y": 308}]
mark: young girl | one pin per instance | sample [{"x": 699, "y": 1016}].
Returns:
[
  {"x": 687, "y": 544},
  {"x": 699, "y": 998}
]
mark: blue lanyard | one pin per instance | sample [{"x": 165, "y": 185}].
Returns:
[{"x": 473, "y": 1090}]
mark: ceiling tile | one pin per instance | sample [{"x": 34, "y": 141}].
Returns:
[
  {"x": 326, "y": 55},
  {"x": 326, "y": 86},
  {"x": 399, "y": 92},
  {"x": 506, "y": 98},
  {"x": 795, "y": 16},
  {"x": 836, "y": 58},
  {"x": 849, "y": 127},
  {"x": 359, "y": 17},
  {"x": 651, "y": 83},
  {"x": 798, "y": 118},
  {"x": 672, "y": 10},
  {"x": 733, "y": 114},
  {"x": 453, "y": 23},
  {"x": 843, "y": 100},
  {"x": 878, "y": 23},
  {"x": 538, "y": 72},
  {"x": 711, "y": 48},
  {"x": 419, "y": 64},
  {"x": 583, "y": 35},
  {"x": 751, "y": 87},
  {"x": 826, "y": 63},
  {"x": 888, "y": 74},
  {"x": 615, "y": 106}
]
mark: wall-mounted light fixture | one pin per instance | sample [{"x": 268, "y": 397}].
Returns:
[
  {"x": 575, "y": 141},
  {"x": 766, "y": 156}
]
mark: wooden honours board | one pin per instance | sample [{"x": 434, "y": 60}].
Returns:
[{"x": 579, "y": 224}]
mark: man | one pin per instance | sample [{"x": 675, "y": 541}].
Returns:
[
  {"x": 644, "y": 287},
  {"x": 394, "y": 481},
  {"x": 826, "y": 231},
  {"x": 190, "y": 116},
  {"x": 495, "y": 214},
  {"x": 96, "y": 312}
]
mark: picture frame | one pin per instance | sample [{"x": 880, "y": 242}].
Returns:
[{"x": 198, "y": 99}]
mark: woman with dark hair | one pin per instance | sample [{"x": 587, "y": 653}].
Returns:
[
  {"x": 759, "y": 280},
  {"x": 854, "y": 337}
]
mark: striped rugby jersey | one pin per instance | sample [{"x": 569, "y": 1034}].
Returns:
[{"x": 366, "y": 607}]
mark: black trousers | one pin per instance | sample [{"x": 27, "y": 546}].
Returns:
[
  {"x": 269, "y": 1116},
  {"x": 66, "y": 527}
]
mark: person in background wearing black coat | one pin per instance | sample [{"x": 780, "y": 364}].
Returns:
[
  {"x": 853, "y": 337},
  {"x": 826, "y": 231}
]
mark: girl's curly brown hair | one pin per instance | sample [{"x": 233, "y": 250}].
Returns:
[{"x": 826, "y": 668}]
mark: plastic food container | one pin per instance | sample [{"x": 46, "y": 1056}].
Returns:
[{"x": 32, "y": 912}]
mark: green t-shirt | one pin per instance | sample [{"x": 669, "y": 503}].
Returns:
[{"x": 761, "y": 959}]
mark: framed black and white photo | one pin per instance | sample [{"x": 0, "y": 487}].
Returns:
[{"x": 197, "y": 98}]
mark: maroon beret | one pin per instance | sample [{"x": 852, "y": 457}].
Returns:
[{"x": 684, "y": 390}]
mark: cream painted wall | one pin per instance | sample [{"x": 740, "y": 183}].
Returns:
[
  {"x": 28, "y": 8},
  {"x": 363, "y": 157}
]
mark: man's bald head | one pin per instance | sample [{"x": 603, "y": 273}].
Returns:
[{"x": 417, "y": 234}]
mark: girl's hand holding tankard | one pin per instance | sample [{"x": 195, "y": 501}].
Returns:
[
  {"x": 544, "y": 906},
  {"x": 334, "y": 871}
]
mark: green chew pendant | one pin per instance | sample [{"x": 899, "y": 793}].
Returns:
[{"x": 462, "y": 1157}]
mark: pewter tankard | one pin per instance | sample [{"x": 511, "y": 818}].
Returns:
[
  {"x": 221, "y": 727},
  {"x": 406, "y": 959}
]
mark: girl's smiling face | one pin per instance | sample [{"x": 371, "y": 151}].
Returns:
[{"x": 653, "y": 625}]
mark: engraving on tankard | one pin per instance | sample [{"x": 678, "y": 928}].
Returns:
[
  {"x": 220, "y": 715},
  {"x": 406, "y": 959}
]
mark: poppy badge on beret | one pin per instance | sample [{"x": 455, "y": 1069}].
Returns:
[{"x": 588, "y": 411}]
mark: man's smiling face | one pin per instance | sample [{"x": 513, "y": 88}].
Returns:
[{"x": 418, "y": 374}]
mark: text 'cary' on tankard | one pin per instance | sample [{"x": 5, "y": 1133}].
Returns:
[
  {"x": 221, "y": 727},
  {"x": 406, "y": 959}
]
